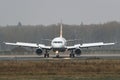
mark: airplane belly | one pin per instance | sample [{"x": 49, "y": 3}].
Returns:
[{"x": 59, "y": 49}]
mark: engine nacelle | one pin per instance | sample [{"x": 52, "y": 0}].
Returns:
[
  {"x": 77, "y": 51},
  {"x": 39, "y": 51}
]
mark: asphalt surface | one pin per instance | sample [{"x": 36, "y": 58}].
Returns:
[{"x": 53, "y": 57}]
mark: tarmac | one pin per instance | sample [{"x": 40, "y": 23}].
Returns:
[{"x": 53, "y": 57}]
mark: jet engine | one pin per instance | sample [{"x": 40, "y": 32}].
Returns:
[
  {"x": 77, "y": 51},
  {"x": 39, "y": 51}
]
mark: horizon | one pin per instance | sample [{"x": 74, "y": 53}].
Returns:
[{"x": 82, "y": 23}]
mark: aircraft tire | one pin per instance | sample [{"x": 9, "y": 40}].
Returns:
[
  {"x": 57, "y": 56},
  {"x": 47, "y": 55},
  {"x": 72, "y": 55}
]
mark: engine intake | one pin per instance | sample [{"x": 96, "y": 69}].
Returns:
[
  {"x": 39, "y": 51},
  {"x": 77, "y": 51}
]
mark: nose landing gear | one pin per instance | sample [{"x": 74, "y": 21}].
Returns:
[{"x": 57, "y": 54}]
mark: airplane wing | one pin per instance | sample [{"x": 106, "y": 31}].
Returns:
[
  {"x": 87, "y": 45},
  {"x": 32, "y": 45},
  {"x": 99, "y": 44}
]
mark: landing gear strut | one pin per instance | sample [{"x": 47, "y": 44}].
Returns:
[
  {"x": 57, "y": 54},
  {"x": 46, "y": 54},
  {"x": 72, "y": 55}
]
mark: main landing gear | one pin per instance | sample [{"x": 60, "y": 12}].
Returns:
[
  {"x": 72, "y": 55},
  {"x": 46, "y": 55}
]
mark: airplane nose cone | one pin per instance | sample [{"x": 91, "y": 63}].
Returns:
[{"x": 57, "y": 45}]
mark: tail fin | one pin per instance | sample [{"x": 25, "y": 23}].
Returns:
[{"x": 61, "y": 32}]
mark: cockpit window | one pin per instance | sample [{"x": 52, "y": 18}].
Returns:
[{"x": 57, "y": 42}]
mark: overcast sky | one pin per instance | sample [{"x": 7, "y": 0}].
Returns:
[{"x": 46, "y": 12}]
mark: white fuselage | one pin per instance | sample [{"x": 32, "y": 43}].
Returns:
[{"x": 58, "y": 44}]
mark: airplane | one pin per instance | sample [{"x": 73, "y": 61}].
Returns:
[{"x": 59, "y": 44}]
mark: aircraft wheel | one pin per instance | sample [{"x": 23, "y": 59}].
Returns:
[
  {"x": 57, "y": 56},
  {"x": 47, "y": 55},
  {"x": 72, "y": 55}
]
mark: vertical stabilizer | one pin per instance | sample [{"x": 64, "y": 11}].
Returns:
[{"x": 61, "y": 32}]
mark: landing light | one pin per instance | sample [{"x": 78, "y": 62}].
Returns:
[{"x": 56, "y": 52}]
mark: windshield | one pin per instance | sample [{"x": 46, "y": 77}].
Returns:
[{"x": 57, "y": 42}]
